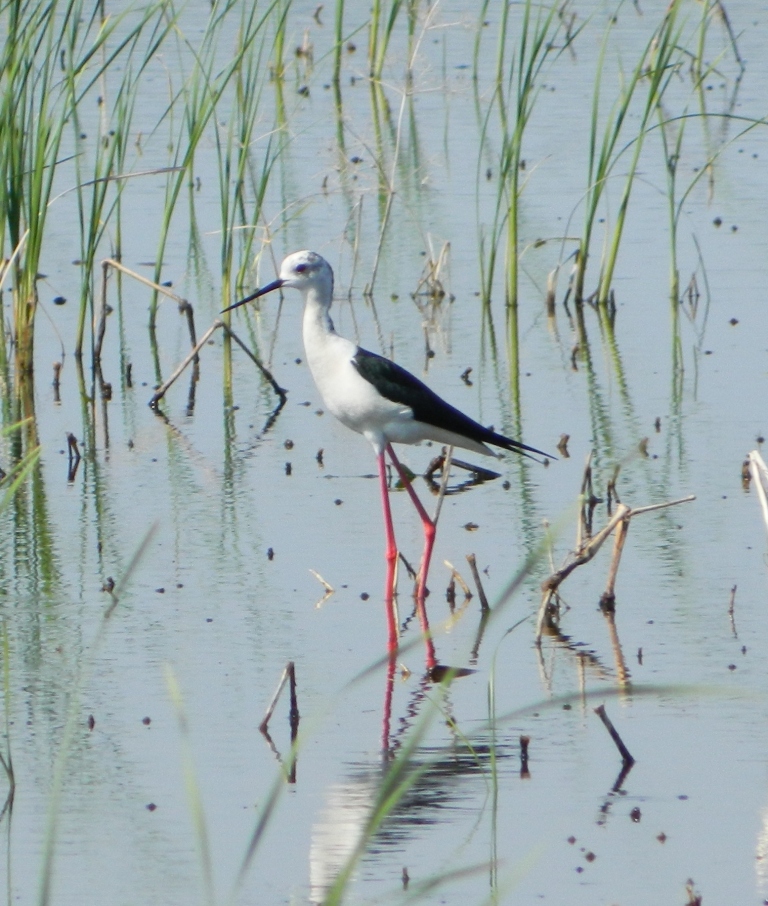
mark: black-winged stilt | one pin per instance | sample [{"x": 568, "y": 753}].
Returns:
[{"x": 380, "y": 400}]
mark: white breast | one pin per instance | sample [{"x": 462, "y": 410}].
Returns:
[{"x": 347, "y": 395}]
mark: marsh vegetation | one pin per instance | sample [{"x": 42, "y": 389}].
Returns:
[{"x": 555, "y": 215}]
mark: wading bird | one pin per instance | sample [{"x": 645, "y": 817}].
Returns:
[{"x": 380, "y": 400}]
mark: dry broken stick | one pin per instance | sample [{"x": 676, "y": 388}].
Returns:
[
  {"x": 289, "y": 675},
  {"x": 608, "y": 597},
  {"x": 186, "y": 309},
  {"x": 74, "y": 456},
  {"x": 110, "y": 263},
  {"x": 163, "y": 388},
  {"x": 524, "y": 770},
  {"x": 455, "y": 574},
  {"x": 476, "y": 576},
  {"x": 587, "y": 551},
  {"x": 576, "y": 558},
  {"x": 626, "y": 756}
]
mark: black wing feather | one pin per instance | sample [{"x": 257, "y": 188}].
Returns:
[{"x": 398, "y": 385}]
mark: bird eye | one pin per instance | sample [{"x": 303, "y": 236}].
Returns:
[{"x": 300, "y": 268}]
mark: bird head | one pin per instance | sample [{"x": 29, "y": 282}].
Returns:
[{"x": 304, "y": 271}]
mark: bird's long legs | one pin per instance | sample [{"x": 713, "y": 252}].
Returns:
[
  {"x": 391, "y": 556},
  {"x": 429, "y": 541},
  {"x": 427, "y": 524}
]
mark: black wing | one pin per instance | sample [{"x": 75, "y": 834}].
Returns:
[{"x": 398, "y": 385}]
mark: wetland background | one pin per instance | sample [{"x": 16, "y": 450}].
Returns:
[{"x": 455, "y": 168}]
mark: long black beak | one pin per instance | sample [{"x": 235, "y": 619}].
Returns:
[{"x": 275, "y": 284}]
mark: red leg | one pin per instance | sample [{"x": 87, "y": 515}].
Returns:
[
  {"x": 429, "y": 541},
  {"x": 391, "y": 557},
  {"x": 386, "y": 718}
]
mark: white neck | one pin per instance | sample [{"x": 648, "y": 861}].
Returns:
[
  {"x": 317, "y": 327},
  {"x": 328, "y": 354}
]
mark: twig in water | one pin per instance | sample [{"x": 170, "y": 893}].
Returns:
[
  {"x": 165, "y": 387},
  {"x": 193, "y": 356},
  {"x": 157, "y": 287},
  {"x": 293, "y": 714},
  {"x": 582, "y": 555},
  {"x": 626, "y": 757},
  {"x": 587, "y": 551},
  {"x": 408, "y": 568},
  {"x": 524, "y": 772},
  {"x": 289, "y": 673},
  {"x": 430, "y": 278},
  {"x": 73, "y": 449},
  {"x": 329, "y": 589},
  {"x": 450, "y": 594},
  {"x": 608, "y": 597},
  {"x": 731, "y": 606},
  {"x": 184, "y": 306},
  {"x": 74, "y": 456},
  {"x": 476, "y": 576},
  {"x": 266, "y": 373},
  {"x": 457, "y": 576}
]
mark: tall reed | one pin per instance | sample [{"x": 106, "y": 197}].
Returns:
[
  {"x": 660, "y": 66},
  {"x": 380, "y": 31},
  {"x": 656, "y": 65},
  {"x": 32, "y": 121},
  {"x": 200, "y": 96},
  {"x": 22, "y": 467},
  {"x": 242, "y": 185},
  {"x": 338, "y": 44},
  {"x": 52, "y": 57},
  {"x": 99, "y": 192},
  {"x": 516, "y": 89}
]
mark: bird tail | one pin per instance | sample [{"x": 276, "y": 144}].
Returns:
[{"x": 523, "y": 449}]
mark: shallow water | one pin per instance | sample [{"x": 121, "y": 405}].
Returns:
[{"x": 209, "y": 601}]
